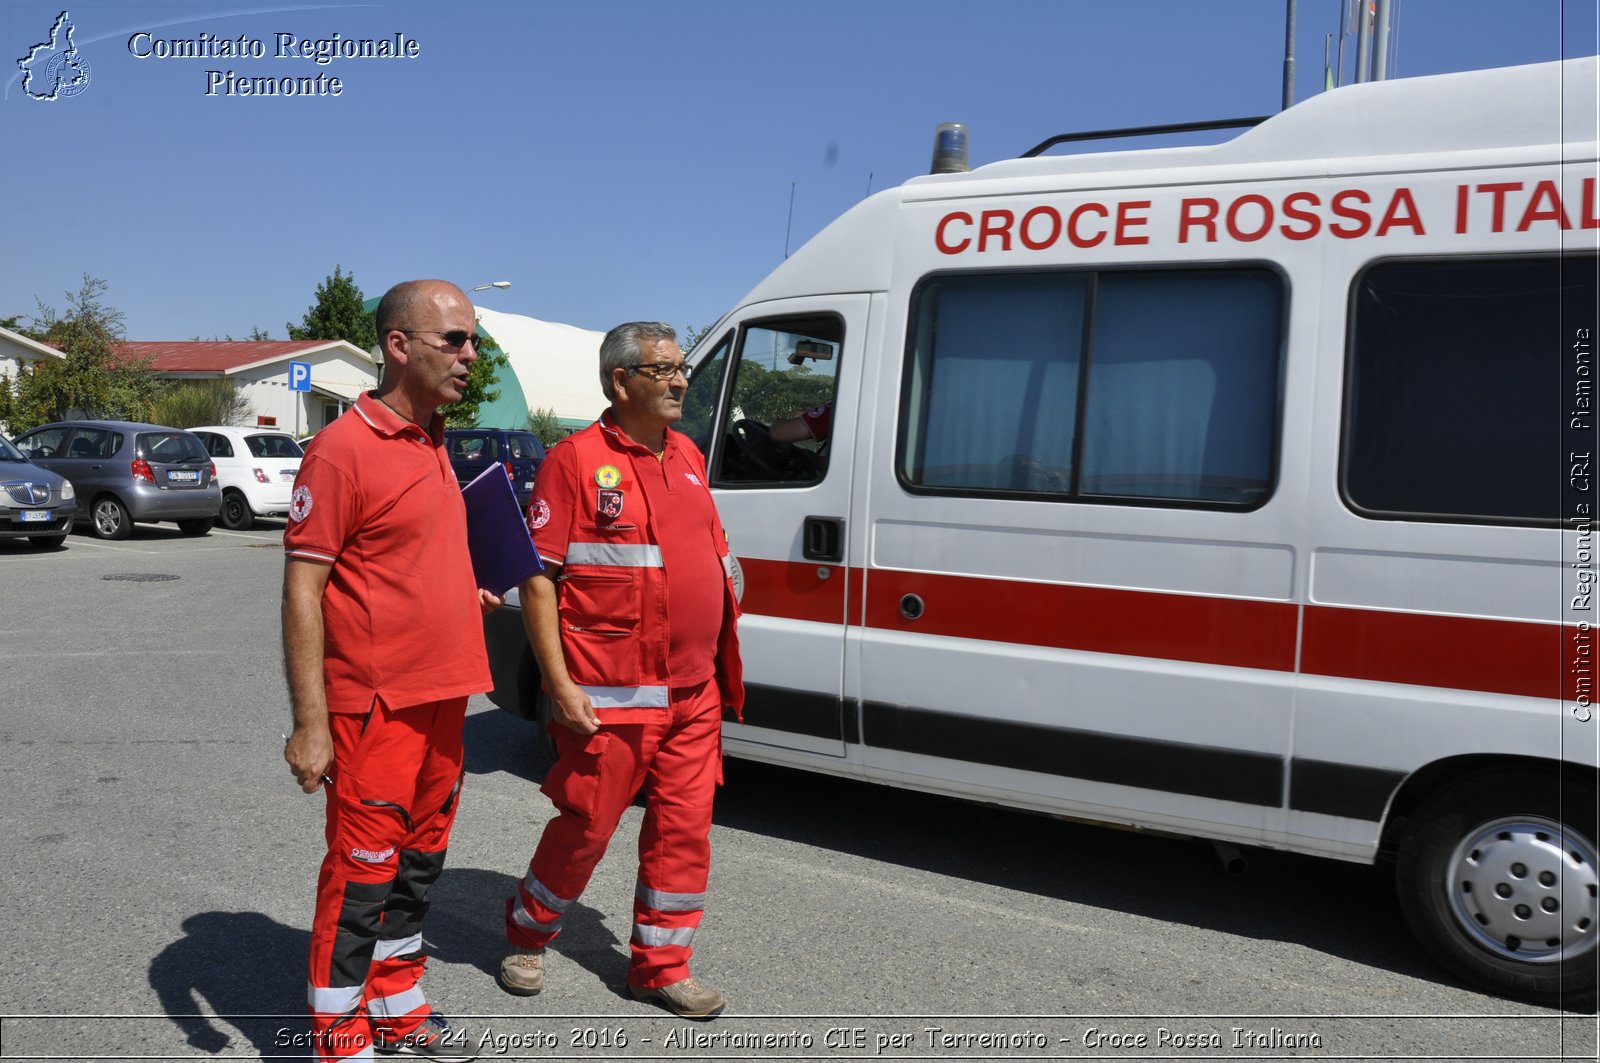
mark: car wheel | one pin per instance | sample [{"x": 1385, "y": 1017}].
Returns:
[
  {"x": 48, "y": 542},
  {"x": 1499, "y": 876},
  {"x": 110, "y": 519},
  {"x": 236, "y": 514},
  {"x": 196, "y": 525}
]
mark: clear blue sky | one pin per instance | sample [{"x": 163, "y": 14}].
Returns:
[{"x": 613, "y": 159}]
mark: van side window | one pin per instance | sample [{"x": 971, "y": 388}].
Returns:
[
  {"x": 1470, "y": 383},
  {"x": 780, "y": 410},
  {"x": 1147, "y": 386}
]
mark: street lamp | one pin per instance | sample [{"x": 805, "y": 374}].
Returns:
[{"x": 494, "y": 284}]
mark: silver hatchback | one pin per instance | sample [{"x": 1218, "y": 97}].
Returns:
[{"x": 126, "y": 471}]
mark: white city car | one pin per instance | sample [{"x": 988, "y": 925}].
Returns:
[{"x": 256, "y": 468}]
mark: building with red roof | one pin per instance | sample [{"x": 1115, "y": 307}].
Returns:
[{"x": 259, "y": 370}]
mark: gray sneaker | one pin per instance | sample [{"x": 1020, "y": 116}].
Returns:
[
  {"x": 522, "y": 973},
  {"x": 687, "y": 999}
]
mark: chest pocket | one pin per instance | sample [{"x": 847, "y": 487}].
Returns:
[{"x": 602, "y": 580}]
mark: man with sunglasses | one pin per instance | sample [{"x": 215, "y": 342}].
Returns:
[
  {"x": 632, "y": 622},
  {"x": 383, "y": 644}
]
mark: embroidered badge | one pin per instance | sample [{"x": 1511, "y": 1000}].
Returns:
[
  {"x": 691, "y": 477},
  {"x": 610, "y": 503},
  {"x": 538, "y": 514},
  {"x": 300, "y": 503},
  {"x": 607, "y": 476}
]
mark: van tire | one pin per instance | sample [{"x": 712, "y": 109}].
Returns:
[{"x": 1492, "y": 855}]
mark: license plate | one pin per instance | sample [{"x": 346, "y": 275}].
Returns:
[
  {"x": 183, "y": 476},
  {"x": 42, "y": 516},
  {"x": 287, "y": 476},
  {"x": 528, "y": 486}
]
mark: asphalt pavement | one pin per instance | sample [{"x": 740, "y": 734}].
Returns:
[{"x": 158, "y": 887}]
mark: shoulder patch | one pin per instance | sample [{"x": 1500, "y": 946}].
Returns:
[
  {"x": 538, "y": 514},
  {"x": 300, "y": 504}
]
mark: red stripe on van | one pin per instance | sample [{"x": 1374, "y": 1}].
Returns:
[
  {"x": 793, "y": 590},
  {"x": 1462, "y": 653},
  {"x": 1179, "y": 627},
  {"x": 1465, "y": 653}
]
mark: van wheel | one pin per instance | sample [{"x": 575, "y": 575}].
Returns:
[
  {"x": 235, "y": 515},
  {"x": 196, "y": 525},
  {"x": 48, "y": 542},
  {"x": 110, "y": 519},
  {"x": 1499, "y": 876}
]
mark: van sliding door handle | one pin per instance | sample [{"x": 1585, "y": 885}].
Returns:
[{"x": 823, "y": 539}]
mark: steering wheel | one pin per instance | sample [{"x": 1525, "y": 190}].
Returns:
[{"x": 753, "y": 441}]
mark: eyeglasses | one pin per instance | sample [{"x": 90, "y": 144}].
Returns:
[
  {"x": 454, "y": 339},
  {"x": 660, "y": 370}
]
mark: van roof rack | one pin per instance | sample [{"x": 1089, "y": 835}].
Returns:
[{"x": 1143, "y": 131}]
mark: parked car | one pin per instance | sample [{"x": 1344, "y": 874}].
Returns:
[
  {"x": 472, "y": 450},
  {"x": 35, "y": 503},
  {"x": 126, "y": 471},
  {"x": 256, "y": 468}
]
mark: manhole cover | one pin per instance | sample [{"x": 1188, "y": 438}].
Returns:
[{"x": 140, "y": 577}]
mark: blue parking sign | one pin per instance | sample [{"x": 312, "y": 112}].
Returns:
[{"x": 299, "y": 376}]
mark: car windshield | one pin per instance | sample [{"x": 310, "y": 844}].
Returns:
[
  {"x": 171, "y": 447},
  {"x": 274, "y": 446},
  {"x": 9, "y": 452}
]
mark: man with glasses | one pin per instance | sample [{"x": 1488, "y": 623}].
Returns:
[
  {"x": 383, "y": 644},
  {"x": 632, "y": 623}
]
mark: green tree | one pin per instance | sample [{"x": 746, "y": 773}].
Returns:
[
  {"x": 94, "y": 379},
  {"x": 769, "y": 395},
  {"x": 197, "y": 402},
  {"x": 543, "y": 423},
  {"x": 480, "y": 389},
  {"x": 691, "y": 336},
  {"x": 338, "y": 314}
]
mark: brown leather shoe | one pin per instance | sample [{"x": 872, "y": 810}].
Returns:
[
  {"x": 522, "y": 973},
  {"x": 687, "y": 999}
]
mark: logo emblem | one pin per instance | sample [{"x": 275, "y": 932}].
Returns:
[
  {"x": 607, "y": 476},
  {"x": 300, "y": 503},
  {"x": 692, "y": 478},
  {"x": 538, "y": 514},
  {"x": 610, "y": 503},
  {"x": 54, "y": 69}
]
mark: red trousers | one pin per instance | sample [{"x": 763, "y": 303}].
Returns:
[
  {"x": 678, "y": 760},
  {"x": 396, "y": 778}
]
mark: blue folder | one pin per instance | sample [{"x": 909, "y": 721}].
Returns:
[{"x": 503, "y": 554}]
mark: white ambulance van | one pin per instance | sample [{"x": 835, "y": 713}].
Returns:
[{"x": 1242, "y": 491}]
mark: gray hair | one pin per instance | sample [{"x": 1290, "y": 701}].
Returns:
[{"x": 622, "y": 348}]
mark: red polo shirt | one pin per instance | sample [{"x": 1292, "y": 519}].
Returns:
[{"x": 377, "y": 500}]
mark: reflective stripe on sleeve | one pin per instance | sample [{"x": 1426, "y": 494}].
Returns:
[
  {"x": 333, "y": 1000},
  {"x": 620, "y": 555},
  {"x": 654, "y": 937},
  {"x": 626, "y": 697},
  {"x": 388, "y": 950},
  {"x": 398, "y": 1005},
  {"x": 662, "y": 901}
]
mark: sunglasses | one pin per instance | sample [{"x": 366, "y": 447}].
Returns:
[{"x": 454, "y": 339}]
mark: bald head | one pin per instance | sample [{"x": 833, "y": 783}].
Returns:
[{"x": 410, "y": 301}]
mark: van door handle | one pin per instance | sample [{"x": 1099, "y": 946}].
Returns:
[{"x": 823, "y": 539}]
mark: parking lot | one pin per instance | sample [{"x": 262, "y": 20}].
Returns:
[{"x": 161, "y": 861}]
